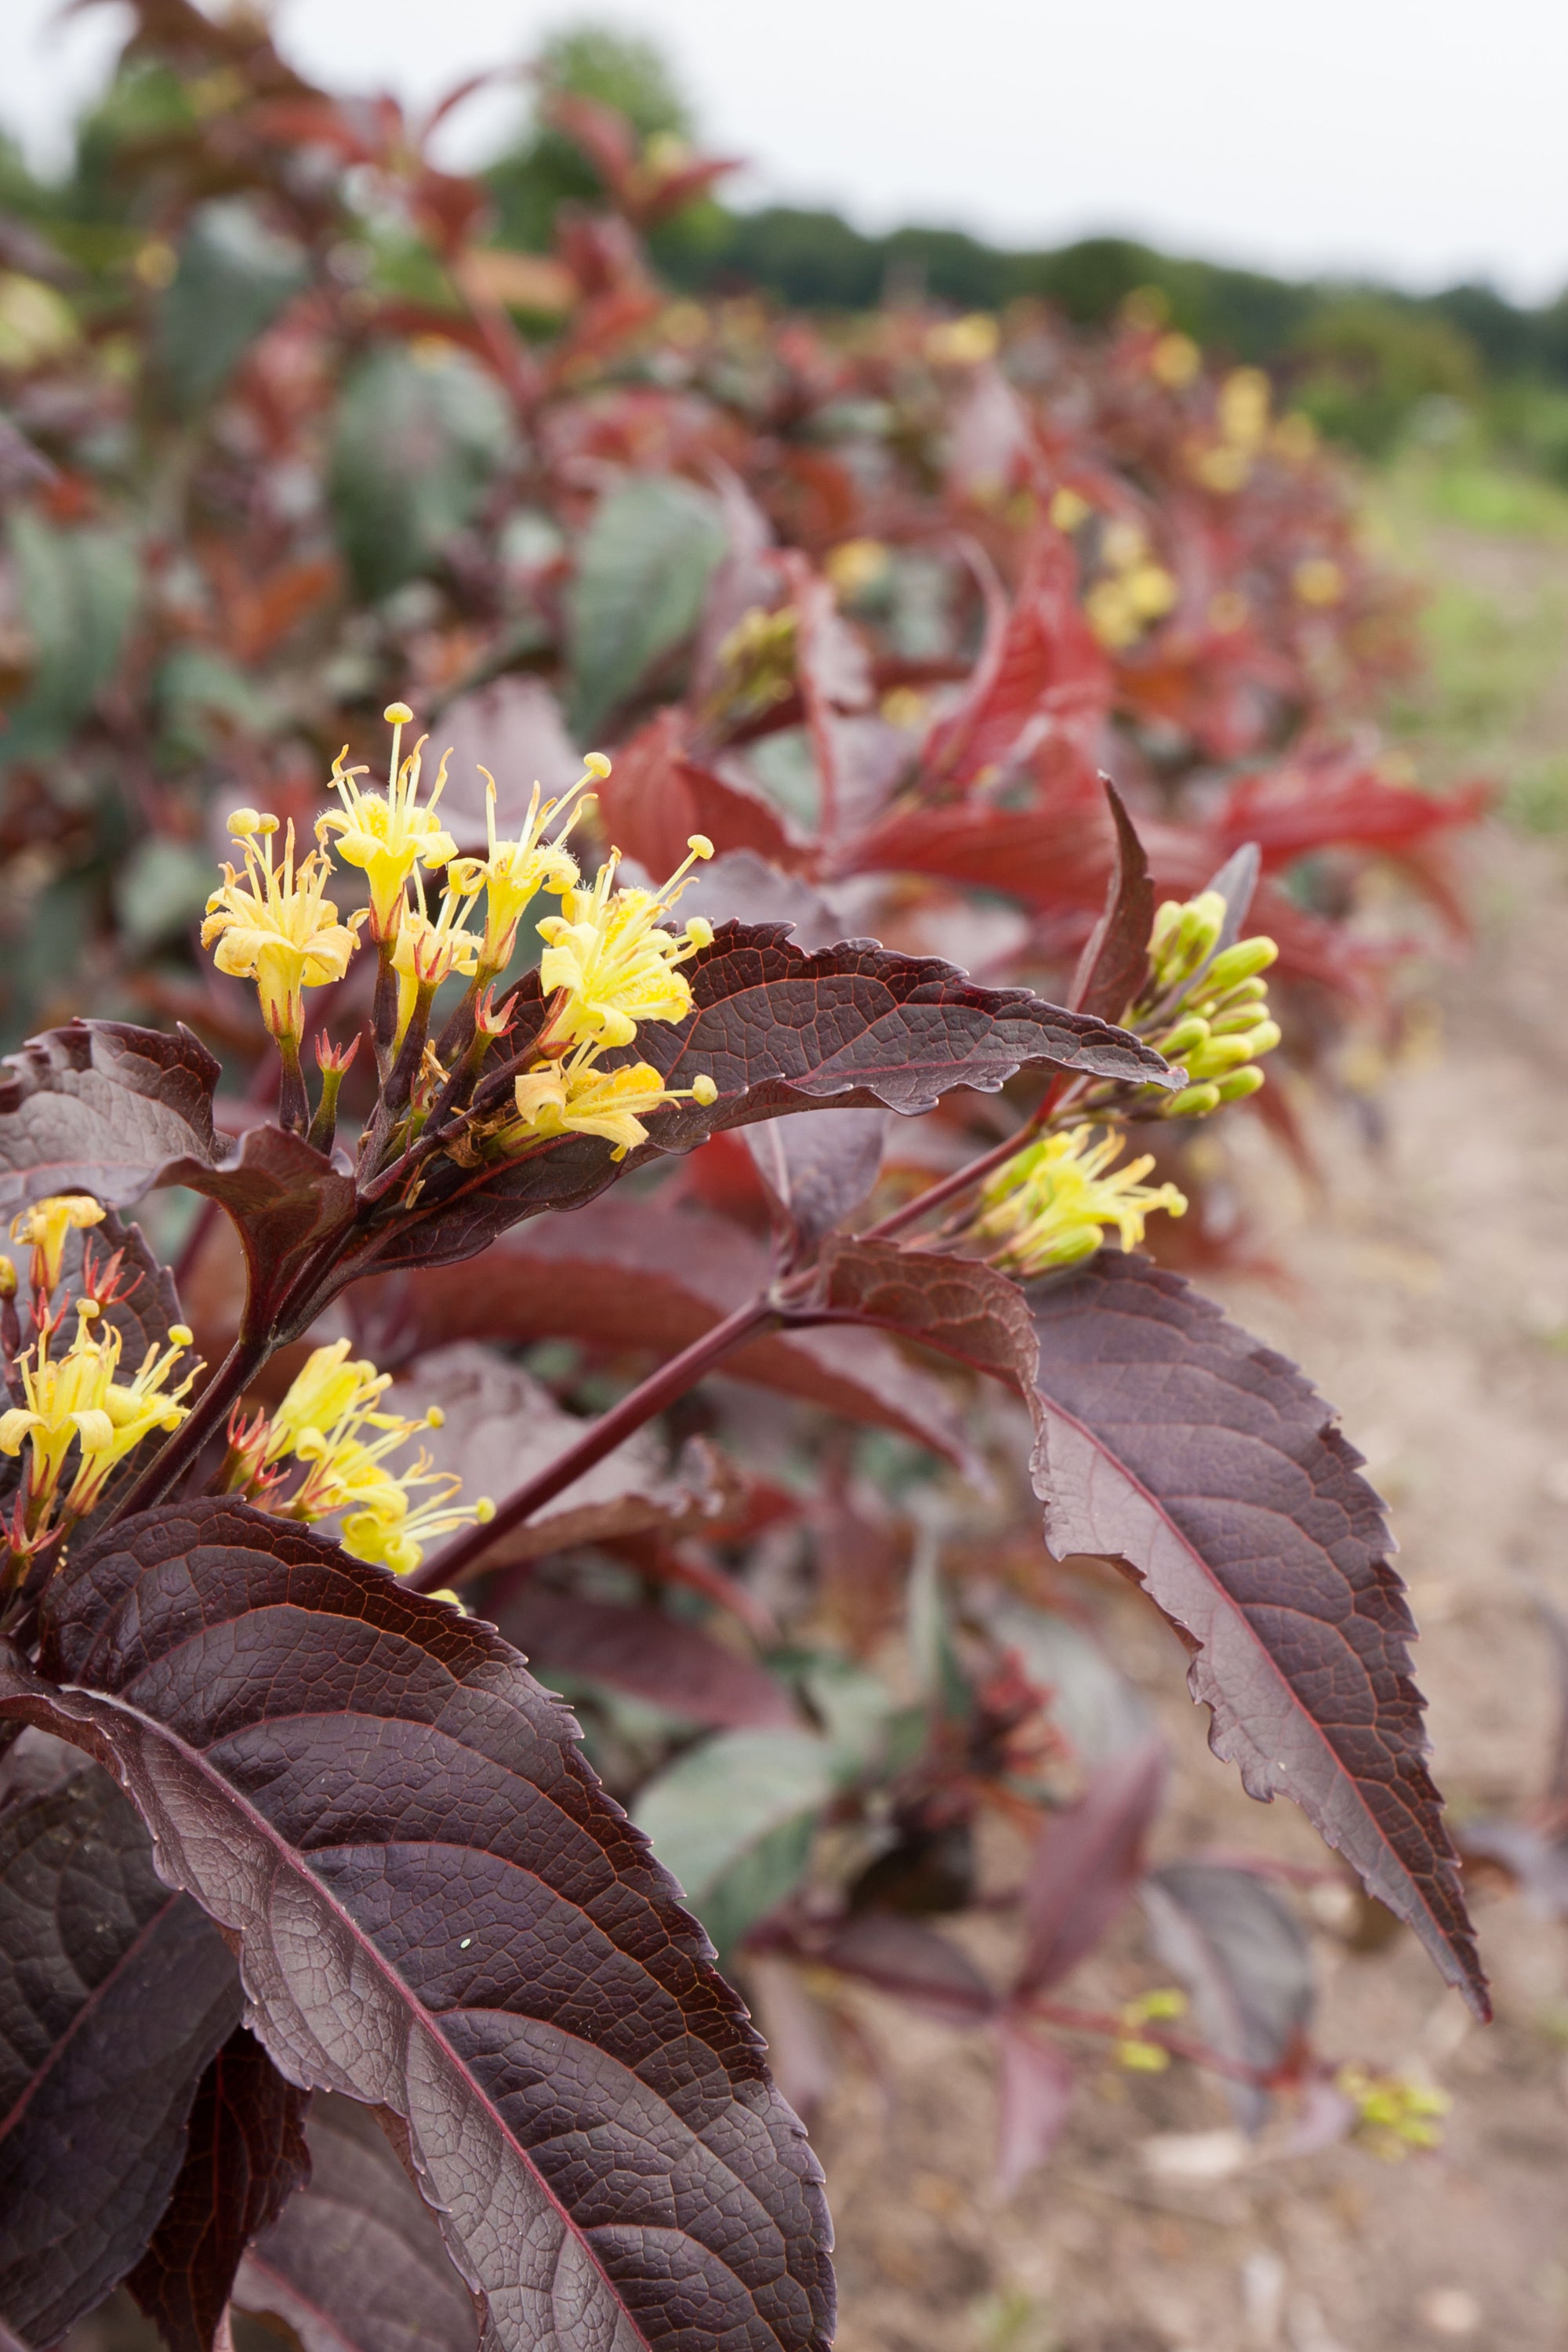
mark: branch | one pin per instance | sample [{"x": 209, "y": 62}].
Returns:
[{"x": 462, "y": 1559}]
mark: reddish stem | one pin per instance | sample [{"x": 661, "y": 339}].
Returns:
[{"x": 462, "y": 1557}]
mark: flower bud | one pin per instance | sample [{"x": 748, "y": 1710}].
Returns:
[
  {"x": 1239, "y": 1019},
  {"x": 1238, "y": 1084},
  {"x": 1242, "y": 961},
  {"x": 1220, "y": 1054},
  {"x": 1184, "y": 1038},
  {"x": 1192, "y": 1102}
]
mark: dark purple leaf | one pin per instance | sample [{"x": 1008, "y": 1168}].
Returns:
[
  {"x": 502, "y": 1428},
  {"x": 1115, "y": 961},
  {"x": 285, "y": 1202},
  {"x": 356, "y": 2262},
  {"x": 645, "y": 1652},
  {"x": 913, "y": 1963},
  {"x": 1243, "y": 1957},
  {"x": 245, "y": 2156},
  {"x": 1036, "y": 2084},
  {"x": 572, "y": 1277},
  {"x": 114, "y": 1993},
  {"x": 1089, "y": 1859},
  {"x": 818, "y": 1169},
  {"x": 1172, "y": 1443},
  {"x": 438, "y": 1911},
  {"x": 100, "y": 1106},
  {"x": 853, "y": 1027}
]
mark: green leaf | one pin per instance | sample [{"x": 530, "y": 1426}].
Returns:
[
  {"x": 162, "y": 885},
  {"x": 642, "y": 574},
  {"x": 733, "y": 1818},
  {"x": 235, "y": 276},
  {"x": 77, "y": 590},
  {"x": 416, "y": 442}
]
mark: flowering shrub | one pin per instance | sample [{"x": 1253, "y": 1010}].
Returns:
[{"x": 519, "y": 1144}]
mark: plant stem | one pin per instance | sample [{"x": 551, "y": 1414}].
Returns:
[
  {"x": 233, "y": 1376},
  {"x": 461, "y": 1558}
]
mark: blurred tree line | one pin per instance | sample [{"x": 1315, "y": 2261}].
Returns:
[{"x": 1368, "y": 363}]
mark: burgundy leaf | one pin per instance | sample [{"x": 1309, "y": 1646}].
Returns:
[
  {"x": 645, "y": 1652},
  {"x": 1041, "y": 668},
  {"x": 1176, "y": 1444},
  {"x": 145, "y": 1303},
  {"x": 1115, "y": 959},
  {"x": 853, "y": 1026},
  {"x": 1036, "y": 2084},
  {"x": 656, "y": 796},
  {"x": 286, "y": 1201},
  {"x": 1243, "y": 1957},
  {"x": 914, "y": 1964},
  {"x": 356, "y": 2262},
  {"x": 438, "y": 1911},
  {"x": 818, "y": 1169},
  {"x": 514, "y": 726},
  {"x": 570, "y": 1277},
  {"x": 114, "y": 1993},
  {"x": 502, "y": 1427},
  {"x": 1237, "y": 884},
  {"x": 740, "y": 887},
  {"x": 245, "y": 2156},
  {"x": 100, "y": 1107},
  {"x": 1089, "y": 1859}
]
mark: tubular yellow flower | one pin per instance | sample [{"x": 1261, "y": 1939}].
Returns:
[
  {"x": 388, "y": 834},
  {"x": 325, "y": 1390},
  {"x": 45, "y": 1225},
  {"x": 427, "y": 953},
  {"x": 574, "y": 1097},
  {"x": 398, "y": 1543},
  {"x": 513, "y": 871},
  {"x": 77, "y": 1400},
  {"x": 1047, "y": 1206},
  {"x": 276, "y": 927},
  {"x": 615, "y": 963}
]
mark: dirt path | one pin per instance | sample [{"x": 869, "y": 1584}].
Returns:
[{"x": 1429, "y": 1298}]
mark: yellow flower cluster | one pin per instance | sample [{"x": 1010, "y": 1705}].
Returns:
[
  {"x": 44, "y": 1228},
  {"x": 1394, "y": 2114},
  {"x": 1220, "y": 1025},
  {"x": 1050, "y": 1204},
  {"x": 1136, "y": 592},
  {"x": 273, "y": 923},
  {"x": 76, "y": 1400},
  {"x": 609, "y": 964},
  {"x": 331, "y": 1423}
]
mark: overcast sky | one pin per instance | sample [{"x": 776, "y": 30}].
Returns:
[{"x": 1420, "y": 140}]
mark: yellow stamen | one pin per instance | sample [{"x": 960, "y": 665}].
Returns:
[
  {"x": 388, "y": 834},
  {"x": 1046, "y": 1207},
  {"x": 613, "y": 962}
]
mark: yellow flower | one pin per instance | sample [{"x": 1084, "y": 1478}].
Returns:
[
  {"x": 388, "y": 834},
  {"x": 615, "y": 963},
  {"x": 573, "y": 1097},
  {"x": 77, "y": 1400},
  {"x": 427, "y": 953},
  {"x": 276, "y": 927},
  {"x": 513, "y": 871},
  {"x": 46, "y": 1225},
  {"x": 326, "y": 1421},
  {"x": 1046, "y": 1207},
  {"x": 325, "y": 1390}
]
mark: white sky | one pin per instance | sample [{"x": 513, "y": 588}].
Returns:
[{"x": 1419, "y": 141}]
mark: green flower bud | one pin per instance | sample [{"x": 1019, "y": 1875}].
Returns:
[
  {"x": 1220, "y": 1054},
  {"x": 1242, "y": 961},
  {"x": 1238, "y": 1021},
  {"x": 1192, "y": 1102},
  {"x": 1182, "y": 1039},
  {"x": 1239, "y": 1083}
]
